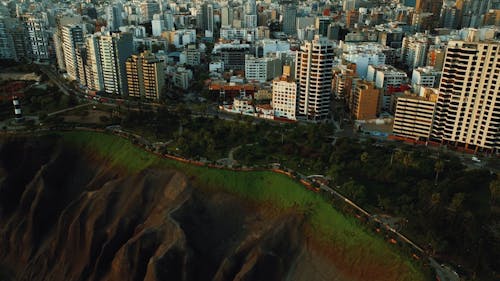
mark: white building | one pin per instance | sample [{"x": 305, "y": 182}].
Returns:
[
  {"x": 157, "y": 25},
  {"x": 414, "y": 116},
  {"x": 72, "y": 38},
  {"x": 93, "y": 69},
  {"x": 262, "y": 69},
  {"x": 182, "y": 78},
  {"x": 115, "y": 49},
  {"x": 284, "y": 100},
  {"x": 468, "y": 107},
  {"x": 414, "y": 50},
  {"x": 313, "y": 68},
  {"x": 424, "y": 77},
  {"x": 386, "y": 76},
  {"x": 365, "y": 54}
]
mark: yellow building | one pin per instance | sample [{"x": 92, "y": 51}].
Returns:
[
  {"x": 145, "y": 76},
  {"x": 365, "y": 100}
]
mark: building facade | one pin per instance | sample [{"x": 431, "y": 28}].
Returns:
[
  {"x": 468, "y": 107},
  {"x": 284, "y": 100},
  {"x": 145, "y": 76},
  {"x": 414, "y": 116},
  {"x": 313, "y": 73}
]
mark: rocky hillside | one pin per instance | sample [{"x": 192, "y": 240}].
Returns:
[{"x": 68, "y": 214}]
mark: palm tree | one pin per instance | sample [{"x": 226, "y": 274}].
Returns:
[{"x": 438, "y": 168}]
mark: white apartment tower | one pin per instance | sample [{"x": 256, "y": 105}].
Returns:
[
  {"x": 313, "y": 73},
  {"x": 93, "y": 69},
  {"x": 72, "y": 38},
  {"x": 468, "y": 107},
  {"x": 115, "y": 49}
]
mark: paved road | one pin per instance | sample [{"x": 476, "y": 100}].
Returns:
[{"x": 68, "y": 109}]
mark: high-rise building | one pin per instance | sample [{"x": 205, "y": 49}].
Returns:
[
  {"x": 145, "y": 77},
  {"x": 468, "y": 107},
  {"x": 38, "y": 35},
  {"x": 414, "y": 115},
  {"x": 349, "y": 5},
  {"x": 322, "y": 24},
  {"x": 63, "y": 20},
  {"x": 226, "y": 15},
  {"x": 313, "y": 73},
  {"x": 365, "y": 101},
  {"x": 114, "y": 16},
  {"x": 148, "y": 9},
  {"x": 93, "y": 68},
  {"x": 7, "y": 50},
  {"x": 414, "y": 50},
  {"x": 289, "y": 19},
  {"x": 157, "y": 25},
  {"x": 71, "y": 38},
  {"x": 284, "y": 100},
  {"x": 115, "y": 49},
  {"x": 207, "y": 17}
]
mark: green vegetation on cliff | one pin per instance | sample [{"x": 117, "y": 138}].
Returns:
[{"x": 357, "y": 247}]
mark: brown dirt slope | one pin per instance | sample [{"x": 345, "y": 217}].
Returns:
[{"x": 65, "y": 215}]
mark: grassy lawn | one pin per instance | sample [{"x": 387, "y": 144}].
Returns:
[{"x": 359, "y": 246}]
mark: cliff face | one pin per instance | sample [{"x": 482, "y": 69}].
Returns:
[{"x": 68, "y": 215}]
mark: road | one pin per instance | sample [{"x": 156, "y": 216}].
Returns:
[
  {"x": 443, "y": 272},
  {"x": 68, "y": 109}
]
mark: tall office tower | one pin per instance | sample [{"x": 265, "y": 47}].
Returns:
[
  {"x": 471, "y": 12},
  {"x": 7, "y": 50},
  {"x": 157, "y": 25},
  {"x": 38, "y": 36},
  {"x": 430, "y": 6},
  {"x": 115, "y": 49},
  {"x": 414, "y": 50},
  {"x": 93, "y": 68},
  {"x": 313, "y": 74},
  {"x": 321, "y": 25},
  {"x": 145, "y": 77},
  {"x": 468, "y": 107},
  {"x": 290, "y": 19},
  {"x": 250, "y": 19},
  {"x": 169, "y": 20},
  {"x": 148, "y": 9},
  {"x": 72, "y": 38},
  {"x": 207, "y": 17},
  {"x": 448, "y": 17},
  {"x": 226, "y": 14},
  {"x": 114, "y": 16},
  {"x": 349, "y": 5}
]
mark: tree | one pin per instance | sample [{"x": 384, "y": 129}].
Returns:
[
  {"x": 364, "y": 157},
  {"x": 495, "y": 191},
  {"x": 356, "y": 192},
  {"x": 438, "y": 168},
  {"x": 457, "y": 202}
]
